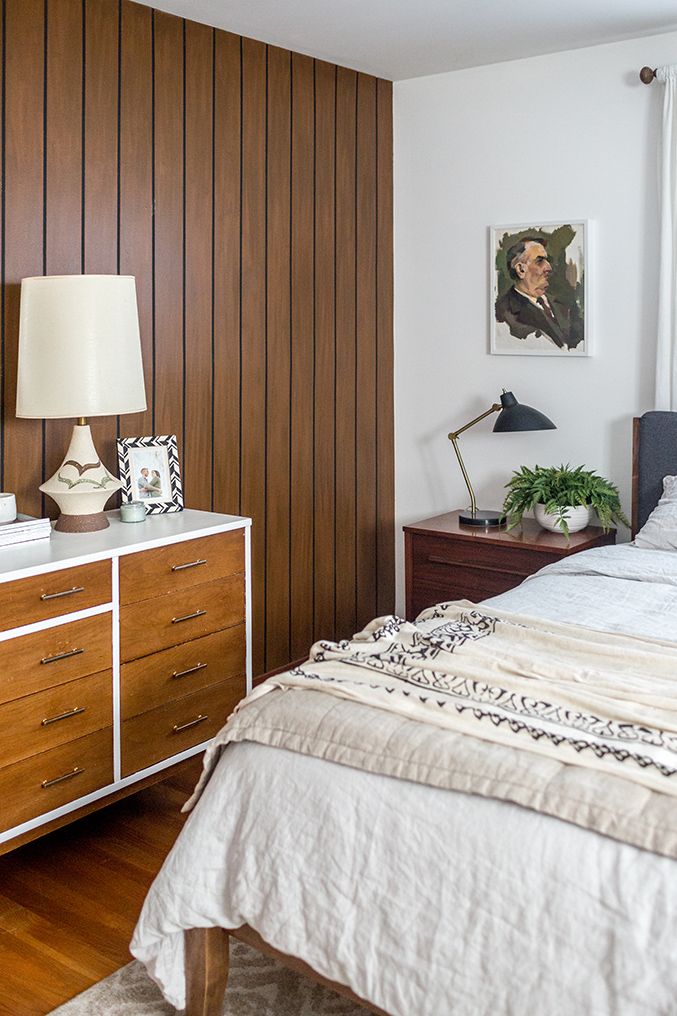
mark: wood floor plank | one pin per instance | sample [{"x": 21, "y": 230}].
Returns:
[{"x": 56, "y": 940}]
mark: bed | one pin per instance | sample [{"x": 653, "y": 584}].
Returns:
[{"x": 389, "y": 881}]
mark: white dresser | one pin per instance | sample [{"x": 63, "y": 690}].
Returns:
[{"x": 122, "y": 652}]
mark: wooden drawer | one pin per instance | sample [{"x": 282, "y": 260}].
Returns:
[
  {"x": 36, "y": 723},
  {"x": 46, "y": 658},
  {"x": 154, "y": 680},
  {"x": 157, "y": 734},
  {"x": 510, "y": 561},
  {"x": 461, "y": 587},
  {"x": 169, "y": 620},
  {"x": 59, "y": 592},
  {"x": 46, "y": 781},
  {"x": 180, "y": 565}
]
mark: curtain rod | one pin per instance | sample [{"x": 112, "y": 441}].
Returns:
[{"x": 647, "y": 75}]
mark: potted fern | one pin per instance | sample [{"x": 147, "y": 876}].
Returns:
[{"x": 561, "y": 498}]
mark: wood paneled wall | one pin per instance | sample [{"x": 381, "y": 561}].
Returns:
[{"x": 249, "y": 190}]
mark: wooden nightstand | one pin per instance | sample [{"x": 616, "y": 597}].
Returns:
[{"x": 448, "y": 561}]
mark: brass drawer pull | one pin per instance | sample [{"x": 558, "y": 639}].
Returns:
[
  {"x": 177, "y": 728},
  {"x": 191, "y": 670},
  {"x": 63, "y": 716},
  {"x": 188, "y": 617},
  {"x": 64, "y": 592},
  {"x": 190, "y": 564},
  {"x": 61, "y": 656},
  {"x": 60, "y": 779}
]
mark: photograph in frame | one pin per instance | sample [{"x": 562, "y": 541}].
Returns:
[
  {"x": 538, "y": 289},
  {"x": 150, "y": 473}
]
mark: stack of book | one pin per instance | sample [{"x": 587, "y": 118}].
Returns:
[{"x": 24, "y": 529}]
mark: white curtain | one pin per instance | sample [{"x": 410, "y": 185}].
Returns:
[{"x": 666, "y": 353}]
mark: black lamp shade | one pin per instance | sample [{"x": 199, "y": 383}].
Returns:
[{"x": 516, "y": 416}]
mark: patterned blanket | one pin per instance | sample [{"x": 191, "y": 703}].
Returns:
[{"x": 588, "y": 698}]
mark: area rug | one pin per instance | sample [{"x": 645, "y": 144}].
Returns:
[{"x": 257, "y": 986}]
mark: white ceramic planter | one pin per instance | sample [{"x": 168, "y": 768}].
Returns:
[{"x": 577, "y": 518}]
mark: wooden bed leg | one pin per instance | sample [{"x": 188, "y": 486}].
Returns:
[{"x": 206, "y": 970}]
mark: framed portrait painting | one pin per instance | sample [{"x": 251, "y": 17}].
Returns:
[
  {"x": 539, "y": 304},
  {"x": 150, "y": 473}
]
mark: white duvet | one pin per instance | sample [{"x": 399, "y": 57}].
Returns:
[{"x": 426, "y": 901}]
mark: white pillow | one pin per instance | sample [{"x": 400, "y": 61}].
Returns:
[{"x": 659, "y": 532}]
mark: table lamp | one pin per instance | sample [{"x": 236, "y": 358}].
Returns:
[
  {"x": 79, "y": 356},
  {"x": 512, "y": 416}
]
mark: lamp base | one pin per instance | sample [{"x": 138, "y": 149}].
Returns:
[
  {"x": 81, "y": 523},
  {"x": 481, "y": 519},
  {"x": 81, "y": 486}
]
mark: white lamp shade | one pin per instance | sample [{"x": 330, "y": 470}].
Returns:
[{"x": 79, "y": 347}]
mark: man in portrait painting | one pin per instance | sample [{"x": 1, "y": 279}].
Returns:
[{"x": 526, "y": 306}]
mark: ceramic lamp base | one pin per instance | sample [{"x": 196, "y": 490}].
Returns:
[
  {"x": 81, "y": 523},
  {"x": 81, "y": 486}
]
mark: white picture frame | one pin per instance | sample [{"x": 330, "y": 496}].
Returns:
[
  {"x": 539, "y": 286},
  {"x": 150, "y": 473}
]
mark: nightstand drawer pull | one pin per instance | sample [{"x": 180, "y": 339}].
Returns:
[
  {"x": 61, "y": 656},
  {"x": 177, "y": 728},
  {"x": 190, "y": 564},
  {"x": 63, "y": 716},
  {"x": 60, "y": 779},
  {"x": 432, "y": 559},
  {"x": 189, "y": 617},
  {"x": 64, "y": 592},
  {"x": 191, "y": 670}
]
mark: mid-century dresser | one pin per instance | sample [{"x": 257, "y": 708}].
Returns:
[{"x": 122, "y": 653}]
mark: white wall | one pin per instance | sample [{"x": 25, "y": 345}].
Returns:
[{"x": 567, "y": 136}]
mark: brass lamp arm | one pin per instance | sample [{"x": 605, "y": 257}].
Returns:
[
  {"x": 496, "y": 408},
  {"x": 454, "y": 436}
]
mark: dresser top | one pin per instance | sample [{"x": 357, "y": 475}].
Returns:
[{"x": 63, "y": 550}]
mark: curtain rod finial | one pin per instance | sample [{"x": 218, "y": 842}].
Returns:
[{"x": 647, "y": 75}]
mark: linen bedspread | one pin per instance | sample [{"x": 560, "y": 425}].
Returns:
[{"x": 426, "y": 900}]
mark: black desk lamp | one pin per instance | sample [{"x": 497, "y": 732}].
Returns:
[{"x": 512, "y": 416}]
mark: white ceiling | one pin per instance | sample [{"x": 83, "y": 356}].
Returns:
[{"x": 407, "y": 38}]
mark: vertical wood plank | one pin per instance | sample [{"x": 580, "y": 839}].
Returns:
[
  {"x": 168, "y": 222},
  {"x": 325, "y": 349},
  {"x": 197, "y": 454},
  {"x": 365, "y": 393},
  {"x": 63, "y": 161},
  {"x": 253, "y": 297},
  {"x": 24, "y": 202},
  {"x": 385, "y": 439},
  {"x": 227, "y": 151},
  {"x": 302, "y": 355},
  {"x": 3, "y": 381},
  {"x": 346, "y": 98},
  {"x": 279, "y": 375},
  {"x": 100, "y": 254},
  {"x": 136, "y": 186}
]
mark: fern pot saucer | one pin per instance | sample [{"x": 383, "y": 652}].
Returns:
[{"x": 577, "y": 517}]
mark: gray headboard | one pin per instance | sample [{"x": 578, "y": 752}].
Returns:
[{"x": 654, "y": 455}]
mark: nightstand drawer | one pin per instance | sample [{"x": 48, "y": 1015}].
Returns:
[
  {"x": 37, "y": 723},
  {"x": 54, "y": 656},
  {"x": 54, "y": 593},
  {"x": 160, "y": 733},
  {"x": 174, "y": 673},
  {"x": 46, "y": 781},
  {"x": 180, "y": 565},
  {"x": 511, "y": 560},
  {"x": 169, "y": 620}
]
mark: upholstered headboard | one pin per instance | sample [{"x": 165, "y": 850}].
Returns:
[{"x": 654, "y": 455}]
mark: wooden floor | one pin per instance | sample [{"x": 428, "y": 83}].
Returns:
[{"x": 69, "y": 901}]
